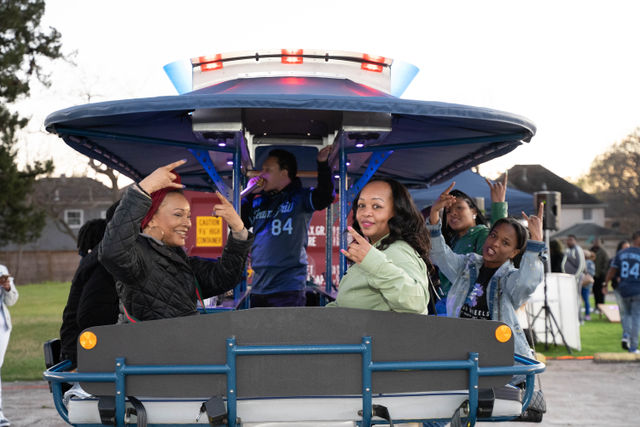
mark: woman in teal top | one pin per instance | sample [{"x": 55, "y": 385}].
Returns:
[
  {"x": 390, "y": 252},
  {"x": 464, "y": 227}
]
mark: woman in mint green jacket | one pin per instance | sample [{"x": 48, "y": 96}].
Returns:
[{"x": 390, "y": 252}]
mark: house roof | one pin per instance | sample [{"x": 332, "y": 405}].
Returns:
[
  {"x": 586, "y": 230},
  {"x": 72, "y": 189},
  {"x": 532, "y": 178}
]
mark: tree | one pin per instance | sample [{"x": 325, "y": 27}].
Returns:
[
  {"x": 614, "y": 177},
  {"x": 23, "y": 45},
  {"x": 110, "y": 173}
]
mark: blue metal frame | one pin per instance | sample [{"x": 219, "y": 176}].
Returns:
[
  {"x": 56, "y": 375},
  {"x": 328, "y": 253},
  {"x": 346, "y": 196},
  {"x": 205, "y": 160},
  {"x": 202, "y": 156}
]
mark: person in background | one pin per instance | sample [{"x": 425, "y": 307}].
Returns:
[
  {"x": 464, "y": 226},
  {"x": 625, "y": 319},
  {"x": 587, "y": 282},
  {"x": 557, "y": 256},
  {"x": 8, "y": 297},
  {"x": 574, "y": 262},
  {"x": 390, "y": 252},
  {"x": 279, "y": 212},
  {"x": 143, "y": 249},
  {"x": 602, "y": 262},
  {"x": 627, "y": 264},
  {"x": 89, "y": 236}
]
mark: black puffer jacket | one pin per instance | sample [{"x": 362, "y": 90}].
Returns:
[
  {"x": 156, "y": 281},
  {"x": 69, "y": 330}
]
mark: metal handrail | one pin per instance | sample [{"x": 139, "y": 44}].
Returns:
[{"x": 525, "y": 366}]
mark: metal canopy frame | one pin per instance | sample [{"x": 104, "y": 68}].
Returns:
[
  {"x": 379, "y": 153},
  {"x": 391, "y": 128}
]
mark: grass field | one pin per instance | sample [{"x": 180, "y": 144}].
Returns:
[
  {"x": 38, "y": 314},
  {"x": 36, "y": 318},
  {"x": 597, "y": 335}
]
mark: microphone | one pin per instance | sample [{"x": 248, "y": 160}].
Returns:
[{"x": 251, "y": 187}]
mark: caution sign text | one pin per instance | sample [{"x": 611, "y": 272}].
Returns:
[{"x": 208, "y": 231}]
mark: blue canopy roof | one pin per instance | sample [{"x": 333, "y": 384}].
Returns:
[
  {"x": 431, "y": 141},
  {"x": 474, "y": 185}
]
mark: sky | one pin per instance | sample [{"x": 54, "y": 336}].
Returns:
[{"x": 572, "y": 67}]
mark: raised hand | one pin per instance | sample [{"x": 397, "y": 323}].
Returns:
[
  {"x": 162, "y": 178},
  {"x": 225, "y": 210},
  {"x": 358, "y": 249},
  {"x": 323, "y": 155},
  {"x": 498, "y": 189},
  {"x": 444, "y": 201},
  {"x": 534, "y": 222},
  {"x": 257, "y": 182},
  {"x": 5, "y": 282}
]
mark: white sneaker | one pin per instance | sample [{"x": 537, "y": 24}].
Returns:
[
  {"x": 75, "y": 391},
  {"x": 4, "y": 422},
  {"x": 636, "y": 351}
]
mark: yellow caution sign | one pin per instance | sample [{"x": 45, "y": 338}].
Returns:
[{"x": 208, "y": 232}]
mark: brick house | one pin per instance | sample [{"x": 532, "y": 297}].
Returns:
[
  {"x": 69, "y": 202},
  {"x": 582, "y": 214}
]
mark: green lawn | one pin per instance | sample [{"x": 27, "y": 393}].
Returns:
[
  {"x": 38, "y": 314},
  {"x": 597, "y": 335},
  {"x": 36, "y": 318}
]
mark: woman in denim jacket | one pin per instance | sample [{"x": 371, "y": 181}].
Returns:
[{"x": 490, "y": 286}]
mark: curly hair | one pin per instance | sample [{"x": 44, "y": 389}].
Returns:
[{"x": 407, "y": 223}]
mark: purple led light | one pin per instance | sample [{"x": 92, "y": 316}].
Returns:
[
  {"x": 222, "y": 144},
  {"x": 359, "y": 144},
  {"x": 230, "y": 162}
]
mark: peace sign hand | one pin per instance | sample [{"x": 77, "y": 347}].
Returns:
[
  {"x": 225, "y": 210},
  {"x": 162, "y": 178},
  {"x": 445, "y": 200},
  {"x": 358, "y": 249},
  {"x": 534, "y": 222},
  {"x": 498, "y": 189}
]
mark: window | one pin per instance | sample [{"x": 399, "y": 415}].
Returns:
[
  {"x": 587, "y": 214},
  {"x": 73, "y": 218}
]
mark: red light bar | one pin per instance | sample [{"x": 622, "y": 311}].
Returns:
[
  {"x": 292, "y": 56},
  {"x": 210, "y": 63},
  {"x": 368, "y": 66}
]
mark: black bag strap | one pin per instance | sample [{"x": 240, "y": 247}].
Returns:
[
  {"x": 139, "y": 411},
  {"x": 107, "y": 410}
]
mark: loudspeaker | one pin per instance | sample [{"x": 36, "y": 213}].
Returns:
[{"x": 552, "y": 208}]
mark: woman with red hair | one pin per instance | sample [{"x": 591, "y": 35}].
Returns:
[{"x": 143, "y": 249}]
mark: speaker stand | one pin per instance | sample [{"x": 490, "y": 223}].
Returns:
[{"x": 549, "y": 318}]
